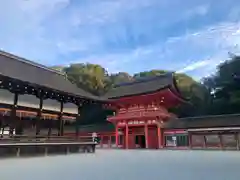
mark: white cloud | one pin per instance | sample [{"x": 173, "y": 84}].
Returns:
[
  {"x": 210, "y": 45},
  {"x": 194, "y": 66}
]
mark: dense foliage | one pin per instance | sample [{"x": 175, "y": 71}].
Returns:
[{"x": 218, "y": 94}]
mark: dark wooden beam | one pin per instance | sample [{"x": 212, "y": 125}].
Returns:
[
  {"x": 60, "y": 120},
  {"x": 77, "y": 122},
  {"x": 13, "y": 114},
  {"x": 39, "y": 116},
  {"x": 50, "y": 126}
]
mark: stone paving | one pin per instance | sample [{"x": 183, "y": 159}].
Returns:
[{"x": 127, "y": 165}]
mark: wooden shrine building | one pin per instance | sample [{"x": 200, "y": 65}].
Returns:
[
  {"x": 205, "y": 132},
  {"x": 37, "y": 102},
  {"x": 32, "y": 91},
  {"x": 141, "y": 110}
]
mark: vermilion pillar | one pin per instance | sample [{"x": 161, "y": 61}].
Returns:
[
  {"x": 126, "y": 136},
  {"x": 116, "y": 134},
  {"x": 146, "y": 134},
  {"x": 159, "y": 134}
]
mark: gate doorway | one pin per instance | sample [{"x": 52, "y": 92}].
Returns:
[{"x": 140, "y": 141}]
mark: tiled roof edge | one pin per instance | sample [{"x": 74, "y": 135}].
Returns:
[
  {"x": 12, "y": 56},
  {"x": 210, "y": 116},
  {"x": 145, "y": 79}
]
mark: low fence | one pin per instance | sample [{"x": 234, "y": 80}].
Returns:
[{"x": 20, "y": 145}]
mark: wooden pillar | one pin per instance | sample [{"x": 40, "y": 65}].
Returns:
[
  {"x": 77, "y": 126},
  {"x": 77, "y": 122},
  {"x": 204, "y": 142},
  {"x": 126, "y": 136},
  {"x": 3, "y": 124},
  {"x": 190, "y": 140},
  {"x": 13, "y": 115},
  {"x": 19, "y": 125},
  {"x": 50, "y": 126},
  {"x": 60, "y": 121},
  {"x": 237, "y": 141},
  {"x": 159, "y": 134},
  {"x": 146, "y": 135},
  {"x": 109, "y": 141},
  {"x": 39, "y": 116},
  {"x": 116, "y": 136},
  {"x": 221, "y": 141}
]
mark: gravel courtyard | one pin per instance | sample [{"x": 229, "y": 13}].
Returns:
[{"x": 127, "y": 165}]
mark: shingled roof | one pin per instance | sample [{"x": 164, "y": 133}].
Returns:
[
  {"x": 19, "y": 68},
  {"x": 204, "y": 122},
  {"x": 143, "y": 86}
]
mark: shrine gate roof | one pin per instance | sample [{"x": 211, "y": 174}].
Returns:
[
  {"x": 204, "y": 122},
  {"x": 33, "y": 73},
  {"x": 143, "y": 86}
]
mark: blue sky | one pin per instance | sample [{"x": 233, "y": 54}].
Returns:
[{"x": 123, "y": 35}]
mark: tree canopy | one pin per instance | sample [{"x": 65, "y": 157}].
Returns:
[{"x": 217, "y": 94}]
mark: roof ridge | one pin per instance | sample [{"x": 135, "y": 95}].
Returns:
[
  {"x": 209, "y": 116},
  {"x": 144, "y": 79},
  {"x": 24, "y": 60}
]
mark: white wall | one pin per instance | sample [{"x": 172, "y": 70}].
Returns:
[
  {"x": 70, "y": 108},
  {"x": 6, "y": 97},
  {"x": 52, "y": 105},
  {"x": 28, "y": 101},
  {"x": 32, "y": 101}
]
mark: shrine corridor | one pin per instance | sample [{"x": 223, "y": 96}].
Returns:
[{"x": 127, "y": 164}]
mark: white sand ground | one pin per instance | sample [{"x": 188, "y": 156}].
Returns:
[{"x": 127, "y": 165}]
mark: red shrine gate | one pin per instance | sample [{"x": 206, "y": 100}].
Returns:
[
  {"x": 140, "y": 126},
  {"x": 138, "y": 120}
]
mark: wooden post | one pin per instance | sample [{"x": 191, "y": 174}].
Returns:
[
  {"x": 221, "y": 141},
  {"x": 2, "y": 126},
  {"x": 116, "y": 136},
  {"x": 18, "y": 151},
  {"x": 39, "y": 115},
  {"x": 13, "y": 114},
  {"x": 190, "y": 140},
  {"x": 146, "y": 135},
  {"x": 77, "y": 122},
  {"x": 237, "y": 141},
  {"x": 126, "y": 136},
  {"x": 204, "y": 142},
  {"x": 46, "y": 150},
  {"x": 109, "y": 141},
  {"x": 50, "y": 124},
  {"x": 60, "y": 121},
  {"x": 159, "y": 134}
]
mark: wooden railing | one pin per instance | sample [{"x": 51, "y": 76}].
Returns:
[
  {"x": 43, "y": 139},
  {"x": 22, "y": 145}
]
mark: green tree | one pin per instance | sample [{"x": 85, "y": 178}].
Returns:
[
  {"x": 225, "y": 87},
  {"x": 90, "y": 77},
  {"x": 151, "y": 73}
]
